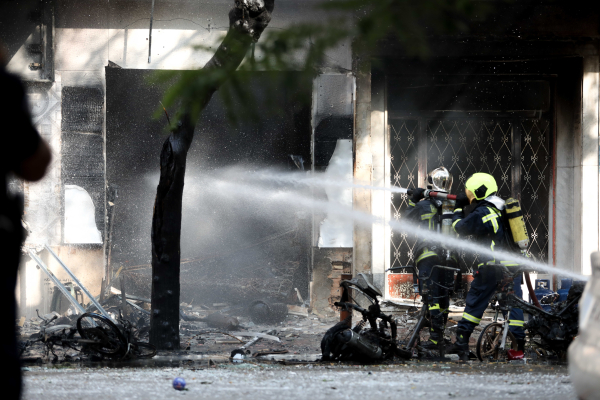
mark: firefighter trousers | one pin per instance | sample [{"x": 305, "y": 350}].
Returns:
[
  {"x": 477, "y": 301},
  {"x": 439, "y": 299}
]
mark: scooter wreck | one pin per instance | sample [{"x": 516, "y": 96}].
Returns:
[{"x": 359, "y": 343}]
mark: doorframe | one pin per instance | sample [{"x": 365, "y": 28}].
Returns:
[{"x": 574, "y": 157}]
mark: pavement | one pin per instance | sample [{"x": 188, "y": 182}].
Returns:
[
  {"x": 205, "y": 365},
  {"x": 314, "y": 381}
]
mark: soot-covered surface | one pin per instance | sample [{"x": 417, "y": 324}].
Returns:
[
  {"x": 82, "y": 159},
  {"x": 226, "y": 238}
]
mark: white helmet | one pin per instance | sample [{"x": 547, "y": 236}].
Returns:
[{"x": 439, "y": 180}]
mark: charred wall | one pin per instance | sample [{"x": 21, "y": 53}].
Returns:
[
  {"x": 330, "y": 264},
  {"x": 232, "y": 248},
  {"x": 82, "y": 159}
]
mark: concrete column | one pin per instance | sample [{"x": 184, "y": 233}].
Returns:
[
  {"x": 363, "y": 165},
  {"x": 565, "y": 200},
  {"x": 380, "y": 204},
  {"x": 589, "y": 212}
]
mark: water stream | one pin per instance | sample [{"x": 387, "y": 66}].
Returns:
[{"x": 259, "y": 187}]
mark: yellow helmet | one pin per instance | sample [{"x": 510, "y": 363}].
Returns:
[{"x": 481, "y": 185}]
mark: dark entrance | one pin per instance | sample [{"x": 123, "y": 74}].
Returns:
[
  {"x": 233, "y": 248},
  {"x": 499, "y": 125}
]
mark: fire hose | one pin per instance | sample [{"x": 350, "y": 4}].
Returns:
[
  {"x": 532, "y": 295},
  {"x": 447, "y": 196},
  {"x": 430, "y": 193}
]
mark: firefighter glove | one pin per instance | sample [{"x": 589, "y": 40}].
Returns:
[
  {"x": 461, "y": 201},
  {"x": 417, "y": 194}
]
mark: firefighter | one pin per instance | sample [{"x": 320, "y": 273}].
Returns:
[
  {"x": 485, "y": 224},
  {"x": 427, "y": 213}
]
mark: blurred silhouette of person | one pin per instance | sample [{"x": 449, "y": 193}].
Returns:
[{"x": 27, "y": 155}]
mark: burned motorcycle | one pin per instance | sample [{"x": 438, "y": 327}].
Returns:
[
  {"x": 550, "y": 332},
  {"x": 361, "y": 343},
  {"x": 554, "y": 331}
]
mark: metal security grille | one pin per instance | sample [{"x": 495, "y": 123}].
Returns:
[
  {"x": 466, "y": 146},
  {"x": 535, "y": 171},
  {"x": 404, "y": 173}
]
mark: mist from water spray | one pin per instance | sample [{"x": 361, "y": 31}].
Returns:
[
  {"x": 255, "y": 187},
  {"x": 268, "y": 175}
]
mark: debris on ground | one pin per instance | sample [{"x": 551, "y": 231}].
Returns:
[
  {"x": 88, "y": 336},
  {"x": 179, "y": 383},
  {"x": 113, "y": 330},
  {"x": 116, "y": 327},
  {"x": 217, "y": 320}
]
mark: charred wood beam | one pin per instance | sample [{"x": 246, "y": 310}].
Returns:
[{"x": 247, "y": 21}]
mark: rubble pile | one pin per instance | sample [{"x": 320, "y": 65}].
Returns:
[
  {"x": 206, "y": 280},
  {"x": 260, "y": 329},
  {"x": 295, "y": 337},
  {"x": 277, "y": 326},
  {"x": 117, "y": 327}
]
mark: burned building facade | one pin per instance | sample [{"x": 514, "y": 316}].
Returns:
[{"x": 516, "y": 97}]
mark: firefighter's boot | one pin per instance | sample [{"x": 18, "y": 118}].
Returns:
[
  {"x": 460, "y": 347},
  {"x": 435, "y": 338},
  {"x": 436, "y": 334},
  {"x": 521, "y": 345}
]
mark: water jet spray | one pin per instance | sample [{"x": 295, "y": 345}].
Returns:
[{"x": 262, "y": 195}]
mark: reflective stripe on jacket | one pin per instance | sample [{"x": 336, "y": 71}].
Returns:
[
  {"x": 424, "y": 214},
  {"x": 485, "y": 224}
]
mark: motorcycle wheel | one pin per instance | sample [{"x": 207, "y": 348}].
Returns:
[{"x": 110, "y": 340}]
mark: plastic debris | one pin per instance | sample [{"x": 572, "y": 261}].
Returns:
[
  {"x": 179, "y": 383},
  {"x": 514, "y": 355}
]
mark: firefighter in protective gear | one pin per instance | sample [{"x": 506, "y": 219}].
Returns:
[
  {"x": 427, "y": 213},
  {"x": 484, "y": 223}
]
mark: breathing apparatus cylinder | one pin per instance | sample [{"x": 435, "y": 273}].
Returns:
[
  {"x": 447, "y": 213},
  {"x": 516, "y": 222}
]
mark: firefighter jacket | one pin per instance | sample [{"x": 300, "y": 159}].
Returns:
[
  {"x": 485, "y": 224},
  {"x": 425, "y": 215}
]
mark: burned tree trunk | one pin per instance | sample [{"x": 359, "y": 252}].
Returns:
[{"x": 247, "y": 21}]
